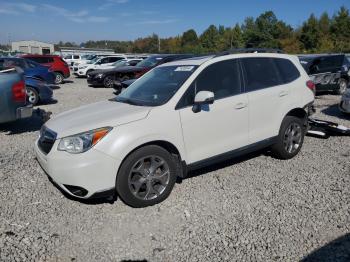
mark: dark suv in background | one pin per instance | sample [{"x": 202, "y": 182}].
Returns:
[
  {"x": 329, "y": 72},
  {"x": 113, "y": 77},
  {"x": 55, "y": 62}
]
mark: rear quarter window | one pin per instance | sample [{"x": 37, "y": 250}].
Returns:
[{"x": 287, "y": 69}]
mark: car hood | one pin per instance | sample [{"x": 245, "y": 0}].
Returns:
[{"x": 97, "y": 115}]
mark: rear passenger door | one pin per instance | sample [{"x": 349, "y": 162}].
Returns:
[
  {"x": 222, "y": 126},
  {"x": 267, "y": 95}
]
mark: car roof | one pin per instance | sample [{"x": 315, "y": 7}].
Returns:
[
  {"x": 35, "y": 55},
  {"x": 202, "y": 59}
]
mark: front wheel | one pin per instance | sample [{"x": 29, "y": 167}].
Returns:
[
  {"x": 290, "y": 138},
  {"x": 108, "y": 82},
  {"x": 146, "y": 177},
  {"x": 32, "y": 95},
  {"x": 59, "y": 78}
]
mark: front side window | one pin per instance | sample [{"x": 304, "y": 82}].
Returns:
[
  {"x": 260, "y": 73},
  {"x": 76, "y": 57},
  {"x": 222, "y": 78},
  {"x": 157, "y": 86}
]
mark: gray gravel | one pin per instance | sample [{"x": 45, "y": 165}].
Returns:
[{"x": 254, "y": 208}]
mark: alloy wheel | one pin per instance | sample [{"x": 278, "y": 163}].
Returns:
[
  {"x": 292, "y": 138},
  {"x": 149, "y": 177}
]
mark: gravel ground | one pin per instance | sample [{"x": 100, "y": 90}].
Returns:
[{"x": 254, "y": 208}]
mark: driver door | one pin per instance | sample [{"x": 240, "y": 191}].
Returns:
[{"x": 222, "y": 126}]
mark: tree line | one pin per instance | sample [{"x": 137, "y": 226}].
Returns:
[{"x": 316, "y": 35}]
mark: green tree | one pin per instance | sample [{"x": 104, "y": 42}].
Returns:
[
  {"x": 340, "y": 30},
  {"x": 310, "y": 34}
]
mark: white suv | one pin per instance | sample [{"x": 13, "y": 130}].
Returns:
[
  {"x": 179, "y": 116},
  {"x": 84, "y": 69}
]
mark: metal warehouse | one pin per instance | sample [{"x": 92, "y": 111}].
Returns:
[{"x": 32, "y": 47}]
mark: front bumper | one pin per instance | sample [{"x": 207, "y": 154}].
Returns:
[
  {"x": 95, "y": 81},
  {"x": 93, "y": 171}
]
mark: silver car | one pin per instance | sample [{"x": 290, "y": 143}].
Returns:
[{"x": 344, "y": 105}]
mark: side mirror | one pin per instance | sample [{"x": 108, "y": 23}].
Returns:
[{"x": 202, "y": 98}]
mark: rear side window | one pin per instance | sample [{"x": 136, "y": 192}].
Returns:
[
  {"x": 287, "y": 69},
  {"x": 76, "y": 57},
  {"x": 260, "y": 73},
  {"x": 114, "y": 59},
  {"x": 222, "y": 78}
]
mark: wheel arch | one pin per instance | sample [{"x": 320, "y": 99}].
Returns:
[
  {"x": 299, "y": 113},
  {"x": 168, "y": 146}
]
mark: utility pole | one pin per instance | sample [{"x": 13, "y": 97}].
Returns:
[{"x": 158, "y": 44}]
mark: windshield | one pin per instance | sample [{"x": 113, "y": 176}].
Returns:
[
  {"x": 92, "y": 61},
  {"x": 157, "y": 86},
  {"x": 149, "y": 62}
]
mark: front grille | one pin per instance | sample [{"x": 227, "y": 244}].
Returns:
[{"x": 46, "y": 140}]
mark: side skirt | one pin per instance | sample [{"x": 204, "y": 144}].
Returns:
[{"x": 228, "y": 155}]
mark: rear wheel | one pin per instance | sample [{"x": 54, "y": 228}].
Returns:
[
  {"x": 146, "y": 177},
  {"x": 32, "y": 95},
  {"x": 290, "y": 138},
  {"x": 59, "y": 78}
]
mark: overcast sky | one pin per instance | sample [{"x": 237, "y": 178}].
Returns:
[{"x": 78, "y": 20}]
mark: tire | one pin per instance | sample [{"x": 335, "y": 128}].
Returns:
[
  {"x": 290, "y": 138},
  {"x": 59, "y": 78},
  {"x": 140, "y": 182},
  {"x": 108, "y": 82},
  {"x": 32, "y": 95},
  {"x": 343, "y": 85}
]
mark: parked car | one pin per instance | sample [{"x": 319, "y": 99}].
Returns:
[
  {"x": 13, "y": 105},
  {"x": 37, "y": 91},
  {"x": 55, "y": 62},
  {"x": 84, "y": 59},
  {"x": 84, "y": 69},
  {"x": 329, "y": 72},
  {"x": 179, "y": 116},
  {"x": 30, "y": 68},
  {"x": 71, "y": 59},
  {"x": 121, "y": 63},
  {"x": 344, "y": 104},
  {"x": 113, "y": 77}
]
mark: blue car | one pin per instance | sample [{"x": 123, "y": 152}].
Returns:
[
  {"x": 37, "y": 91},
  {"x": 30, "y": 68},
  {"x": 13, "y": 105}
]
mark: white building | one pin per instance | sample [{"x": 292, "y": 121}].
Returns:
[{"x": 33, "y": 47}]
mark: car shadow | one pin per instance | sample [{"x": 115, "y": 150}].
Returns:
[
  {"x": 55, "y": 87},
  {"x": 67, "y": 82},
  {"x": 51, "y": 102},
  {"x": 30, "y": 124},
  {"x": 337, "y": 250},
  {"x": 334, "y": 111}
]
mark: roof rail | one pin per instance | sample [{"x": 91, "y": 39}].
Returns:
[{"x": 249, "y": 50}]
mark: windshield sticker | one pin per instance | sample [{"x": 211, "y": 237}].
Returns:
[{"x": 184, "y": 68}]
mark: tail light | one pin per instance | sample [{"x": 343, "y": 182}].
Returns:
[
  {"x": 141, "y": 73},
  {"x": 19, "y": 92},
  {"x": 311, "y": 85}
]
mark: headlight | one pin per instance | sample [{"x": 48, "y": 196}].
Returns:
[
  {"x": 82, "y": 142},
  {"x": 99, "y": 75}
]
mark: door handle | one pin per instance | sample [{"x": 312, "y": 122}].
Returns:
[
  {"x": 283, "y": 93},
  {"x": 240, "y": 105}
]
